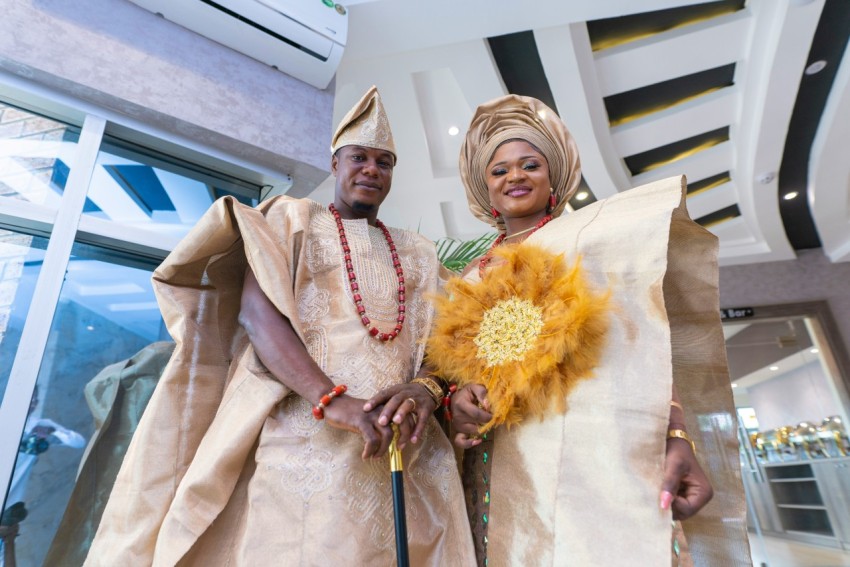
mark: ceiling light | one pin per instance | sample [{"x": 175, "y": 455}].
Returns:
[
  {"x": 734, "y": 385},
  {"x": 582, "y": 195},
  {"x": 814, "y": 351},
  {"x": 453, "y": 130},
  {"x": 766, "y": 177},
  {"x": 790, "y": 195},
  {"x": 774, "y": 368},
  {"x": 815, "y": 67}
]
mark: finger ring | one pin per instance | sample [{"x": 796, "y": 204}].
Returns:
[{"x": 412, "y": 402}]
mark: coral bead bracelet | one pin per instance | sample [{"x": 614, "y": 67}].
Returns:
[{"x": 319, "y": 409}]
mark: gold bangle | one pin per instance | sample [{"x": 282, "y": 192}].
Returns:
[
  {"x": 676, "y": 404},
  {"x": 434, "y": 389},
  {"x": 682, "y": 434}
]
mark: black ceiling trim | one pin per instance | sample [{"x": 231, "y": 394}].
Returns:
[
  {"x": 828, "y": 44},
  {"x": 717, "y": 217},
  {"x": 645, "y": 161},
  {"x": 519, "y": 64},
  {"x": 609, "y": 32},
  {"x": 626, "y": 106},
  {"x": 702, "y": 184}
]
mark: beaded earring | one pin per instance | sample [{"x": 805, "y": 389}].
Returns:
[
  {"x": 553, "y": 202},
  {"x": 496, "y": 214}
]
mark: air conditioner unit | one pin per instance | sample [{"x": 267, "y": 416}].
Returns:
[{"x": 303, "y": 38}]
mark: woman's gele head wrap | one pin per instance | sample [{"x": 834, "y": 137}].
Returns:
[{"x": 517, "y": 117}]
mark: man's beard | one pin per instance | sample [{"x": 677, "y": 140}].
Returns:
[{"x": 361, "y": 207}]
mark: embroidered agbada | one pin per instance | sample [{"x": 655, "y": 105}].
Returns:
[
  {"x": 227, "y": 466},
  {"x": 582, "y": 487}
]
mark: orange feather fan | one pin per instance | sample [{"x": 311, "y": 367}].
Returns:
[{"x": 529, "y": 331}]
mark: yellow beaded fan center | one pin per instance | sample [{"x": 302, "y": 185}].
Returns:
[{"x": 508, "y": 330}]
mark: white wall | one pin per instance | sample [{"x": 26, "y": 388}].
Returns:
[
  {"x": 130, "y": 61},
  {"x": 800, "y": 395}
]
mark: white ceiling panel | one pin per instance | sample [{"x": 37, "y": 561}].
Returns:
[
  {"x": 676, "y": 53},
  {"x": 703, "y": 114},
  {"x": 712, "y": 200}
]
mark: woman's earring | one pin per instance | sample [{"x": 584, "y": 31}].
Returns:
[
  {"x": 496, "y": 214},
  {"x": 553, "y": 202}
]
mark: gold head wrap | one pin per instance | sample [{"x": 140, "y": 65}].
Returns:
[
  {"x": 366, "y": 125},
  {"x": 517, "y": 117}
]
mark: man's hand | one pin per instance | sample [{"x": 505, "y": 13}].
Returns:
[
  {"x": 407, "y": 405},
  {"x": 347, "y": 413},
  {"x": 470, "y": 410},
  {"x": 685, "y": 485},
  {"x": 282, "y": 352}
]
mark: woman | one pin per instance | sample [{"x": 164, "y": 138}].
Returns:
[{"x": 573, "y": 456}]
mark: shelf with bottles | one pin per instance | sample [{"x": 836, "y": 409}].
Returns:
[{"x": 802, "y": 442}]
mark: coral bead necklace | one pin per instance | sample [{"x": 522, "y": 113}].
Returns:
[
  {"x": 355, "y": 288},
  {"x": 485, "y": 259}
]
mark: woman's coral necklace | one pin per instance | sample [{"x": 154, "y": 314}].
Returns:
[
  {"x": 355, "y": 289},
  {"x": 485, "y": 259}
]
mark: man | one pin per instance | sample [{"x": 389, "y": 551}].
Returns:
[{"x": 256, "y": 448}]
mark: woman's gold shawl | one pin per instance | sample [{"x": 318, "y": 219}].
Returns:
[{"x": 583, "y": 487}]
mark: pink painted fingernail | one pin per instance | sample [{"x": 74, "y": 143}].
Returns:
[{"x": 666, "y": 499}]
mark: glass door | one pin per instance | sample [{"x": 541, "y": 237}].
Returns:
[{"x": 790, "y": 392}]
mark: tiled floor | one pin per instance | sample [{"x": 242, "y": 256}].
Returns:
[{"x": 786, "y": 553}]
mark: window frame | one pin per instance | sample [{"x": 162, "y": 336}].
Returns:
[{"x": 100, "y": 129}]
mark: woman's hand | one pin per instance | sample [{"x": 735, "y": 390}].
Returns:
[
  {"x": 470, "y": 410},
  {"x": 347, "y": 413},
  {"x": 406, "y": 405},
  {"x": 685, "y": 485}
]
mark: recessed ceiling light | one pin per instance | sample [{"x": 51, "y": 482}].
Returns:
[
  {"x": 790, "y": 195},
  {"x": 815, "y": 67},
  {"x": 766, "y": 177},
  {"x": 814, "y": 351},
  {"x": 453, "y": 130},
  {"x": 582, "y": 195},
  {"x": 774, "y": 368}
]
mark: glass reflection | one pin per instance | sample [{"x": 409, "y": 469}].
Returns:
[
  {"x": 35, "y": 156},
  {"x": 106, "y": 313},
  {"x": 139, "y": 189},
  {"x": 21, "y": 256},
  {"x": 785, "y": 391}
]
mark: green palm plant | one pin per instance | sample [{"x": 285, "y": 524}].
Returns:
[{"x": 456, "y": 254}]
